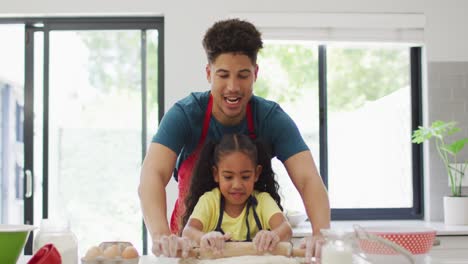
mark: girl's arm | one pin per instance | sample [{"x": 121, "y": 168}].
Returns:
[
  {"x": 266, "y": 240},
  {"x": 280, "y": 225},
  {"x": 193, "y": 230}
]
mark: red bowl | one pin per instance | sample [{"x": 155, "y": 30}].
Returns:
[{"x": 417, "y": 240}]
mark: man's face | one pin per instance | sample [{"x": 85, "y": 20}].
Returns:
[{"x": 231, "y": 77}]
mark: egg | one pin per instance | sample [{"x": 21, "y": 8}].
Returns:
[
  {"x": 112, "y": 252},
  {"x": 130, "y": 252},
  {"x": 93, "y": 252}
]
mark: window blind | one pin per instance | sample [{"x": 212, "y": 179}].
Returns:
[{"x": 373, "y": 27}]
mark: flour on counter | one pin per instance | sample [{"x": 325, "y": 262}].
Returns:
[{"x": 244, "y": 260}]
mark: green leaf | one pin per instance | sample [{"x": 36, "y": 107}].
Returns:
[
  {"x": 422, "y": 134},
  {"x": 455, "y": 147},
  {"x": 440, "y": 130}
]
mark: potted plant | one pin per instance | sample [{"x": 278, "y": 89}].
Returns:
[{"x": 455, "y": 205}]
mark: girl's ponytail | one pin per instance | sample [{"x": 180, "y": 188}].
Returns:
[
  {"x": 201, "y": 180},
  {"x": 266, "y": 181}
]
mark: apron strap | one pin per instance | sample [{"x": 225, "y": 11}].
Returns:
[
  {"x": 251, "y": 202},
  {"x": 250, "y": 121},
  {"x": 220, "y": 217},
  {"x": 206, "y": 121},
  {"x": 247, "y": 237},
  {"x": 254, "y": 206}
]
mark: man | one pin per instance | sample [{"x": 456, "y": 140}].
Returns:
[{"x": 229, "y": 107}]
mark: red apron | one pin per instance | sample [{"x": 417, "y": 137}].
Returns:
[{"x": 185, "y": 169}]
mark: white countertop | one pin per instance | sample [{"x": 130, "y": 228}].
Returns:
[
  {"x": 162, "y": 260},
  {"x": 305, "y": 229}
]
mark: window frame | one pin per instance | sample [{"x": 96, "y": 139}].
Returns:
[
  {"x": 417, "y": 209},
  {"x": 413, "y": 59}
]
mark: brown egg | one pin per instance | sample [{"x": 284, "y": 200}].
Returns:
[
  {"x": 93, "y": 253},
  {"x": 130, "y": 252},
  {"x": 112, "y": 252}
]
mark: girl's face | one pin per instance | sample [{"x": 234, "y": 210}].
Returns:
[{"x": 236, "y": 175}]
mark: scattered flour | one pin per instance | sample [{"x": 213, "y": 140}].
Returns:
[{"x": 244, "y": 260}]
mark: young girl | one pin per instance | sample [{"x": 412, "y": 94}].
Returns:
[{"x": 234, "y": 196}]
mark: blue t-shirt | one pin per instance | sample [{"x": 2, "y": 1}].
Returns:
[{"x": 181, "y": 127}]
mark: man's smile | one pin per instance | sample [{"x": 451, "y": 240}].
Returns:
[{"x": 232, "y": 100}]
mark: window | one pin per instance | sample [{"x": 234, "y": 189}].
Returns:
[
  {"x": 352, "y": 83},
  {"x": 92, "y": 87},
  {"x": 355, "y": 105}
]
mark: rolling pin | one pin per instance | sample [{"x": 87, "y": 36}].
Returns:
[{"x": 236, "y": 249}]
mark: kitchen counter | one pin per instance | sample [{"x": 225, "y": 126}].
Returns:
[
  {"x": 450, "y": 246},
  {"x": 305, "y": 229},
  {"x": 449, "y": 252},
  {"x": 162, "y": 260}
]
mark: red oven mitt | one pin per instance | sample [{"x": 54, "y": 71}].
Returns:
[{"x": 48, "y": 254}]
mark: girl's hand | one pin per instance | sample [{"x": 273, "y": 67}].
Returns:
[
  {"x": 214, "y": 241},
  {"x": 266, "y": 240}
]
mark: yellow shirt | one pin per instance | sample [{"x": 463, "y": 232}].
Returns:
[{"x": 207, "y": 212}]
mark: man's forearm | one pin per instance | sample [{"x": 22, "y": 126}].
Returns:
[
  {"x": 317, "y": 205},
  {"x": 153, "y": 204}
]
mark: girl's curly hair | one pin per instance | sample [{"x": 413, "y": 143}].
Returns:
[
  {"x": 232, "y": 35},
  {"x": 212, "y": 152}
]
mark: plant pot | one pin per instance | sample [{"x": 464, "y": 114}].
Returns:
[{"x": 456, "y": 210}]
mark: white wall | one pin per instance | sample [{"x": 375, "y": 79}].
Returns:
[
  {"x": 186, "y": 22},
  {"x": 446, "y": 32}
]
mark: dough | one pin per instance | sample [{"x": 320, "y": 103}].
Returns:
[{"x": 244, "y": 260}]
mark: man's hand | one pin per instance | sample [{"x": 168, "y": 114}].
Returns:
[
  {"x": 312, "y": 245},
  {"x": 169, "y": 245},
  {"x": 214, "y": 241},
  {"x": 266, "y": 240}
]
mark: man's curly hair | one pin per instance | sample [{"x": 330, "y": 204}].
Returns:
[{"x": 232, "y": 35}]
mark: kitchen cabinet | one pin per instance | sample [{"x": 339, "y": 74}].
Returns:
[{"x": 450, "y": 247}]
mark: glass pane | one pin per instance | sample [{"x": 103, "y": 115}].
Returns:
[
  {"x": 152, "y": 83},
  {"x": 11, "y": 121},
  {"x": 288, "y": 75},
  {"x": 95, "y": 134},
  {"x": 369, "y": 126}
]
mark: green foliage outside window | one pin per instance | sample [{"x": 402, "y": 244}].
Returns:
[
  {"x": 297, "y": 64},
  {"x": 360, "y": 75},
  {"x": 115, "y": 61},
  {"x": 354, "y": 75}
]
